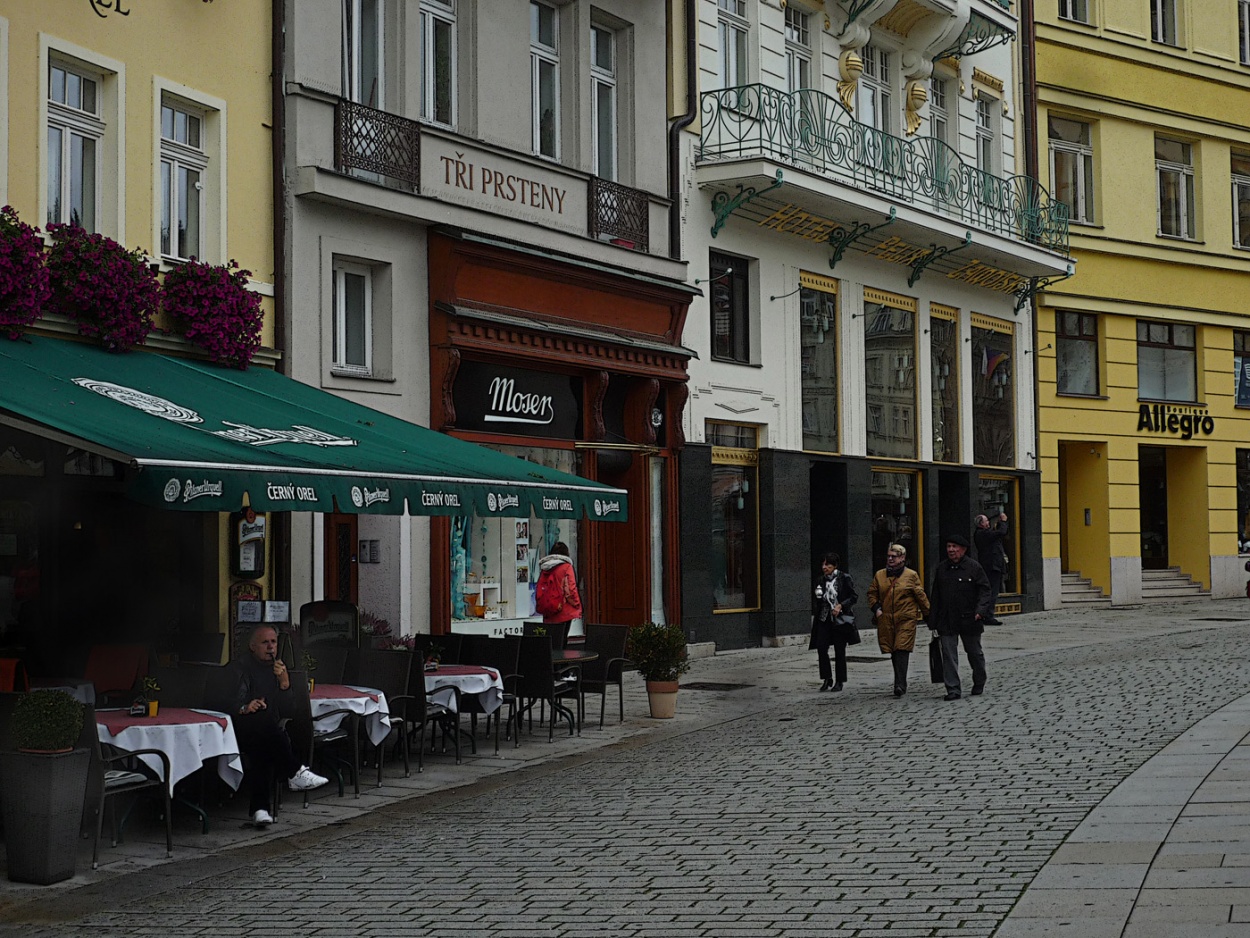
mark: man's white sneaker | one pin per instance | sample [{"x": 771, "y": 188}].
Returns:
[
  {"x": 262, "y": 818},
  {"x": 306, "y": 780}
]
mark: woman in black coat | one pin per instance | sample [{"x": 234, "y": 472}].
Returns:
[{"x": 834, "y": 599}]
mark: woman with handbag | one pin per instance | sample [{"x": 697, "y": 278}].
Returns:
[
  {"x": 833, "y": 621},
  {"x": 898, "y": 601}
]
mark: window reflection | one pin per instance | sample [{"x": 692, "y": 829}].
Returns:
[
  {"x": 993, "y": 398},
  {"x": 819, "y": 351},
  {"x": 944, "y": 364},
  {"x": 896, "y": 516},
  {"x": 889, "y": 365}
]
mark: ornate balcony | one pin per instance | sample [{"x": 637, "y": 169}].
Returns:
[
  {"x": 377, "y": 143},
  {"x": 814, "y": 132},
  {"x": 619, "y": 214}
]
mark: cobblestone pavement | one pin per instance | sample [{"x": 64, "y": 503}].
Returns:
[{"x": 782, "y": 812}]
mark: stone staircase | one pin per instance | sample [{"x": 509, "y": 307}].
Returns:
[
  {"x": 1078, "y": 591},
  {"x": 1169, "y": 585}
]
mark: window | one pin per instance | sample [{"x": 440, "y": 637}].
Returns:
[
  {"x": 944, "y": 376},
  {"x": 1166, "y": 362},
  {"x": 1163, "y": 21},
  {"x": 1243, "y": 30},
  {"x": 998, "y": 495},
  {"x": 987, "y": 142},
  {"x": 1241, "y": 367},
  {"x": 939, "y": 116},
  {"x": 362, "y": 52},
  {"x": 798, "y": 50},
  {"x": 1077, "y": 10},
  {"x": 889, "y": 352},
  {"x": 896, "y": 515},
  {"x": 1072, "y": 167},
  {"x": 735, "y": 517},
  {"x": 75, "y": 132},
  {"x": 1174, "y": 171},
  {"x": 438, "y": 61},
  {"x": 1243, "y": 501},
  {"x": 993, "y": 393},
  {"x": 1241, "y": 200},
  {"x": 818, "y": 350},
  {"x": 353, "y": 319},
  {"x": 875, "y": 91},
  {"x": 1076, "y": 353},
  {"x": 727, "y": 278},
  {"x": 183, "y": 165},
  {"x": 603, "y": 99},
  {"x": 731, "y": 32},
  {"x": 545, "y": 79}
]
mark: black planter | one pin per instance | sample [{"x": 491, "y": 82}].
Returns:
[{"x": 43, "y": 795}]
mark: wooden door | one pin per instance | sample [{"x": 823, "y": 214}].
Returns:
[
  {"x": 625, "y": 569},
  {"x": 341, "y": 571}
]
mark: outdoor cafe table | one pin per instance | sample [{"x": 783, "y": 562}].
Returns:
[
  {"x": 485, "y": 683},
  {"x": 189, "y": 737},
  {"x": 369, "y": 702}
]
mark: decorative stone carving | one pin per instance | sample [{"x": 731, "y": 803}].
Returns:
[
  {"x": 851, "y": 66},
  {"x": 914, "y": 100}
]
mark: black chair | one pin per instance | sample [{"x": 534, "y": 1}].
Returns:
[
  {"x": 502, "y": 655},
  {"x": 447, "y": 645},
  {"x": 421, "y": 712},
  {"x": 185, "y": 685},
  {"x": 537, "y": 683},
  {"x": 306, "y": 738},
  {"x": 329, "y": 660},
  {"x": 203, "y": 646},
  {"x": 608, "y": 641},
  {"x": 557, "y": 631},
  {"x": 114, "y": 771},
  {"x": 389, "y": 672},
  {"x": 329, "y": 621},
  {"x": 470, "y": 650}
]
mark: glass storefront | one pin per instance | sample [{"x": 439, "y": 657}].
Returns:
[
  {"x": 735, "y": 517},
  {"x": 890, "y": 375},
  {"x": 993, "y": 394},
  {"x": 1243, "y": 501},
  {"x": 998, "y": 495},
  {"x": 819, "y": 356},
  {"x": 944, "y": 366},
  {"x": 896, "y": 516}
]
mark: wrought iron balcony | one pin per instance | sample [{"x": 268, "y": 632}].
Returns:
[
  {"x": 619, "y": 214},
  {"x": 377, "y": 143},
  {"x": 813, "y": 131}
]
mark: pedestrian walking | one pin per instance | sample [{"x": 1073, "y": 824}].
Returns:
[
  {"x": 959, "y": 604},
  {"x": 833, "y": 620},
  {"x": 898, "y": 601},
  {"x": 992, "y": 555}
]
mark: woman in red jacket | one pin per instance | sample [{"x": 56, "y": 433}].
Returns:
[{"x": 555, "y": 597}]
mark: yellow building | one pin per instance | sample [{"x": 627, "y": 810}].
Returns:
[
  {"x": 149, "y": 123},
  {"x": 1144, "y": 400}
]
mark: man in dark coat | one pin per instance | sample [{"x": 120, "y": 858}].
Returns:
[
  {"x": 959, "y": 604},
  {"x": 992, "y": 555}
]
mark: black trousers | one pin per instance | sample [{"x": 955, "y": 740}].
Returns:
[
  {"x": 839, "y": 655},
  {"x": 900, "y": 660},
  {"x": 267, "y": 755},
  {"x": 996, "y": 584},
  {"x": 950, "y": 660}
]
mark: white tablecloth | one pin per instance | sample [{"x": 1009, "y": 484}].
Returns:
[
  {"x": 485, "y": 683},
  {"x": 361, "y": 701},
  {"x": 188, "y": 746}
]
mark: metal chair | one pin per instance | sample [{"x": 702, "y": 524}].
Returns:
[
  {"x": 502, "y": 655},
  {"x": 608, "y": 641},
  {"x": 423, "y": 712},
  {"x": 389, "y": 672},
  {"x": 305, "y": 737},
  {"x": 537, "y": 682}
]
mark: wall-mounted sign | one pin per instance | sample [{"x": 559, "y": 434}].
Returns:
[
  {"x": 499, "y": 399},
  {"x": 1168, "y": 418}
]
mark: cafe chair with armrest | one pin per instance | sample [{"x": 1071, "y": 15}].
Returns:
[
  {"x": 420, "y": 711},
  {"x": 390, "y": 672},
  {"x": 558, "y": 631},
  {"x": 447, "y": 645},
  {"x": 608, "y": 641},
  {"x": 538, "y": 683},
  {"x": 469, "y": 650},
  {"x": 115, "y": 671},
  {"x": 115, "y": 771},
  {"x": 502, "y": 655},
  {"x": 323, "y": 747}
]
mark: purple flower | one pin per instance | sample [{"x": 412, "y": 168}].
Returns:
[
  {"x": 23, "y": 278},
  {"x": 110, "y": 292},
  {"x": 215, "y": 309}
]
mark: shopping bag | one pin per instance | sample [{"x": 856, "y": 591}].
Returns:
[{"x": 935, "y": 660}]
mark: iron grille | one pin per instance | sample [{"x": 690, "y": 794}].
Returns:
[
  {"x": 372, "y": 141},
  {"x": 619, "y": 214}
]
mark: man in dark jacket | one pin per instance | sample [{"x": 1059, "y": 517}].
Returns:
[
  {"x": 960, "y": 602},
  {"x": 992, "y": 555}
]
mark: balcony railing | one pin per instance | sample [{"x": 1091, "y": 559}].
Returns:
[
  {"x": 619, "y": 214},
  {"x": 375, "y": 142},
  {"x": 815, "y": 132}
]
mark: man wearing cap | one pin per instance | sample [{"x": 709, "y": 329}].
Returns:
[{"x": 959, "y": 604}]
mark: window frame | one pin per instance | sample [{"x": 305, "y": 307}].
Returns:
[
  {"x": 799, "y": 54},
  {"x": 728, "y": 272},
  {"x": 434, "y": 13},
  {"x": 180, "y": 155},
  {"x": 541, "y": 55},
  {"x": 1165, "y": 16},
  {"x": 1082, "y": 212},
  {"x": 939, "y": 112},
  {"x": 338, "y": 364},
  {"x": 1243, "y": 31},
  {"x": 1240, "y": 181},
  {"x": 352, "y": 42},
  {"x": 732, "y": 23},
  {"x": 1186, "y": 188},
  {"x": 820, "y": 311},
  {"x": 604, "y": 78},
  {"x": 1077, "y": 11},
  {"x": 70, "y": 122},
  {"x": 876, "y": 85},
  {"x": 1063, "y": 337},
  {"x": 740, "y": 453},
  {"x": 1171, "y": 344},
  {"x": 1241, "y": 361}
]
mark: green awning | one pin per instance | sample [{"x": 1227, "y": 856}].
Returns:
[{"x": 201, "y": 436}]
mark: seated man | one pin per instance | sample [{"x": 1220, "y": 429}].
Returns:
[{"x": 261, "y": 686}]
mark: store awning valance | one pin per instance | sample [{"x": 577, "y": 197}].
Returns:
[{"x": 198, "y": 437}]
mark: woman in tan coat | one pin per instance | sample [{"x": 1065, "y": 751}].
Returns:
[{"x": 898, "y": 601}]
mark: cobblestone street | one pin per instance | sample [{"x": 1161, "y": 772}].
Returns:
[{"x": 780, "y": 812}]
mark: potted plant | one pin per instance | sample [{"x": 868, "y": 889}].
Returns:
[
  {"x": 659, "y": 652},
  {"x": 146, "y": 701},
  {"x": 215, "y": 309},
  {"x": 44, "y": 784},
  {"x": 433, "y": 656},
  {"x": 309, "y": 663},
  {"x": 378, "y": 628},
  {"x": 23, "y": 277}
]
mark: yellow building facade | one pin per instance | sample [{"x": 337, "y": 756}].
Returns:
[{"x": 1144, "y": 405}]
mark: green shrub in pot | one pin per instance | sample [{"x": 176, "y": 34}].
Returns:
[
  {"x": 47, "y": 721},
  {"x": 659, "y": 651}
]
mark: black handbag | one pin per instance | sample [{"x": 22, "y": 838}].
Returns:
[
  {"x": 935, "y": 661},
  {"x": 846, "y": 624}
]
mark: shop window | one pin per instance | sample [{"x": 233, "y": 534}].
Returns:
[
  {"x": 1241, "y": 200},
  {"x": 944, "y": 375},
  {"x": 353, "y": 319},
  {"x": 1243, "y": 501},
  {"x": 1166, "y": 362},
  {"x": 1163, "y": 21},
  {"x": 603, "y": 99},
  {"x": 1076, "y": 353},
  {"x": 363, "y": 47},
  {"x": 998, "y": 495},
  {"x": 1076, "y": 10},
  {"x": 438, "y": 61},
  {"x": 896, "y": 516},
  {"x": 732, "y": 30},
  {"x": 798, "y": 49},
  {"x": 1241, "y": 367},
  {"x": 1174, "y": 174},
  {"x": 495, "y": 561},
  {"x": 730, "y": 300},
  {"x": 993, "y": 393},
  {"x": 890, "y": 354},
  {"x": 735, "y": 517},
  {"x": 1072, "y": 167},
  {"x": 545, "y": 79},
  {"x": 818, "y": 349}
]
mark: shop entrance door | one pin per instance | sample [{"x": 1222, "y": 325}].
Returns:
[
  {"x": 1152, "y": 474},
  {"x": 340, "y": 558},
  {"x": 626, "y": 566}
]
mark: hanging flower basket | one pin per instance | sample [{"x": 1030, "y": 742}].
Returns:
[
  {"x": 109, "y": 291},
  {"x": 23, "y": 278},
  {"x": 215, "y": 310}
]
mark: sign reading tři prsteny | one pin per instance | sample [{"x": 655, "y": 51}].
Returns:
[
  {"x": 498, "y": 399},
  {"x": 1185, "y": 422}
]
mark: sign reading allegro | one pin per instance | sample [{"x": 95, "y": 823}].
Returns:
[{"x": 498, "y": 399}]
